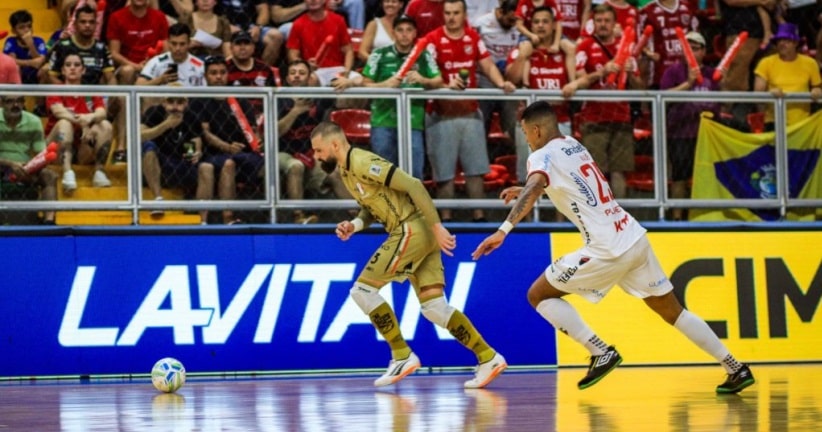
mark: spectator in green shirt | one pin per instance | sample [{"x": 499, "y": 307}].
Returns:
[
  {"x": 21, "y": 138},
  {"x": 381, "y": 71}
]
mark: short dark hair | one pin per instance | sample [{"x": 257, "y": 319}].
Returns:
[
  {"x": 299, "y": 61},
  {"x": 507, "y": 6},
  {"x": 213, "y": 60},
  {"x": 544, "y": 9},
  {"x": 178, "y": 29},
  {"x": 20, "y": 17},
  {"x": 85, "y": 9},
  {"x": 537, "y": 111}
]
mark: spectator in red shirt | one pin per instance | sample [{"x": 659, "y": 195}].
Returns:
[
  {"x": 665, "y": 49},
  {"x": 572, "y": 12},
  {"x": 9, "y": 72},
  {"x": 624, "y": 12},
  {"x": 309, "y": 33},
  {"x": 607, "y": 131},
  {"x": 78, "y": 125},
  {"x": 132, "y": 31},
  {"x": 455, "y": 130},
  {"x": 534, "y": 67},
  {"x": 428, "y": 14}
]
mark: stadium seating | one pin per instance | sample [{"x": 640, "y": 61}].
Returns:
[{"x": 356, "y": 123}]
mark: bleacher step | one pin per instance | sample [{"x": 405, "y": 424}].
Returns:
[{"x": 124, "y": 217}]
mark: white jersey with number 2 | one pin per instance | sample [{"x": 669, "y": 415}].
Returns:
[{"x": 580, "y": 191}]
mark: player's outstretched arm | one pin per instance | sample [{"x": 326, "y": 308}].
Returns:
[{"x": 527, "y": 196}]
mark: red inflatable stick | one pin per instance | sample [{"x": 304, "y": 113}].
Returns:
[
  {"x": 3, "y": 33},
  {"x": 39, "y": 161},
  {"x": 409, "y": 62},
  {"x": 623, "y": 50},
  {"x": 722, "y": 68},
  {"x": 318, "y": 58},
  {"x": 689, "y": 55},
  {"x": 643, "y": 40},
  {"x": 245, "y": 126},
  {"x": 101, "y": 13},
  {"x": 159, "y": 47}
]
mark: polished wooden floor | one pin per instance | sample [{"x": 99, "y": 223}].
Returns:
[{"x": 785, "y": 398}]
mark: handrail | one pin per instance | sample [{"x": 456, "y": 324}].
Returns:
[{"x": 273, "y": 202}]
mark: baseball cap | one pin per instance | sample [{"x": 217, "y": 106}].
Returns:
[
  {"x": 404, "y": 19},
  {"x": 695, "y": 37},
  {"x": 241, "y": 36}
]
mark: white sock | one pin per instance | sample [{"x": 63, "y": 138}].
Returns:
[
  {"x": 565, "y": 318},
  {"x": 698, "y": 331}
]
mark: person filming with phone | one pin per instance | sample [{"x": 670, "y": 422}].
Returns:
[{"x": 175, "y": 65}]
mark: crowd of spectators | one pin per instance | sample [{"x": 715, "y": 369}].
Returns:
[{"x": 208, "y": 146}]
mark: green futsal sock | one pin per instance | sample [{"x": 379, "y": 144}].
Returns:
[
  {"x": 386, "y": 323},
  {"x": 461, "y": 328}
]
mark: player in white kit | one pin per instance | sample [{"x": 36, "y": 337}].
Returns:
[{"x": 616, "y": 251}]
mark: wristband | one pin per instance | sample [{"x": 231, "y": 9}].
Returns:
[
  {"x": 358, "y": 224},
  {"x": 506, "y": 227}
]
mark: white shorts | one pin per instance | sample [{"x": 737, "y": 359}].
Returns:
[{"x": 637, "y": 271}]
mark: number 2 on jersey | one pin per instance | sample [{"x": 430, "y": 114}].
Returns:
[{"x": 592, "y": 170}]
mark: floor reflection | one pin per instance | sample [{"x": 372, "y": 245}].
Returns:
[{"x": 631, "y": 399}]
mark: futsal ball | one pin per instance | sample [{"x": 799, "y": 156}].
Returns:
[{"x": 168, "y": 375}]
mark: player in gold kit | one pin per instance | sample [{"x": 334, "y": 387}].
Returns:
[{"x": 392, "y": 197}]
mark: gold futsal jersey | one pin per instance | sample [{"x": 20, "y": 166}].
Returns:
[{"x": 367, "y": 176}]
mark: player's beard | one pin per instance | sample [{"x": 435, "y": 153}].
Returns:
[{"x": 329, "y": 165}]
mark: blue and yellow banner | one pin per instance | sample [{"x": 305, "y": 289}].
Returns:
[{"x": 734, "y": 165}]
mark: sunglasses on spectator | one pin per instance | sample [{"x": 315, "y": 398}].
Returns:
[
  {"x": 12, "y": 101},
  {"x": 173, "y": 100}
]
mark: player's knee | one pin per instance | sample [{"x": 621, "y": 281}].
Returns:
[
  {"x": 366, "y": 297},
  {"x": 541, "y": 290},
  {"x": 438, "y": 311}
]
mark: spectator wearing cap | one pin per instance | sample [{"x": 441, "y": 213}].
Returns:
[
  {"x": 788, "y": 71},
  {"x": 683, "y": 117},
  {"x": 246, "y": 70},
  {"x": 254, "y": 16}
]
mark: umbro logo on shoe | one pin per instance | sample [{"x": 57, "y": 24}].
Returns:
[{"x": 604, "y": 359}]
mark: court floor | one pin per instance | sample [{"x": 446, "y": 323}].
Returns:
[{"x": 785, "y": 398}]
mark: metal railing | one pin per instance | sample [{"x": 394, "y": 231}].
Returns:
[{"x": 273, "y": 201}]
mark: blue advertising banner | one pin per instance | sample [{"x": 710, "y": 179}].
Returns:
[{"x": 114, "y": 304}]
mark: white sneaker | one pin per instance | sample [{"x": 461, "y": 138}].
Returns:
[
  {"x": 397, "y": 370},
  {"x": 69, "y": 180},
  {"x": 100, "y": 179},
  {"x": 157, "y": 213},
  {"x": 486, "y": 372}
]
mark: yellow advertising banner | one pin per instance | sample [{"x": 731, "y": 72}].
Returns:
[{"x": 759, "y": 291}]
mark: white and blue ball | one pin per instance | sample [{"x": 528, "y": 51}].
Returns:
[{"x": 168, "y": 375}]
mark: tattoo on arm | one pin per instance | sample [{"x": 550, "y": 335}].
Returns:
[{"x": 527, "y": 198}]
